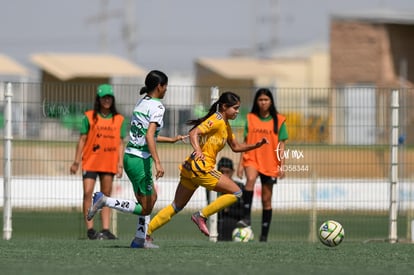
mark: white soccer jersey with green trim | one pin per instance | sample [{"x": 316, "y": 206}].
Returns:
[{"x": 147, "y": 110}]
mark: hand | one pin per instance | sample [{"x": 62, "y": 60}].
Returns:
[
  {"x": 180, "y": 138},
  {"x": 74, "y": 167},
  {"x": 240, "y": 171},
  {"x": 281, "y": 174},
  {"x": 261, "y": 142},
  {"x": 120, "y": 171},
  {"x": 198, "y": 155},
  {"x": 159, "y": 171}
]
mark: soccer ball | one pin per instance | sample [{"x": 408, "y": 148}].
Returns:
[
  {"x": 331, "y": 233},
  {"x": 243, "y": 234}
]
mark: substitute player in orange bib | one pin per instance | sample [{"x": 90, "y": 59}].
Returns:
[
  {"x": 266, "y": 162},
  {"x": 99, "y": 152}
]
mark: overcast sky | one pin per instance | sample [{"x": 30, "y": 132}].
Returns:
[{"x": 169, "y": 34}]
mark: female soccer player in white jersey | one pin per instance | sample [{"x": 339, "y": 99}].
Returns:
[{"x": 140, "y": 154}]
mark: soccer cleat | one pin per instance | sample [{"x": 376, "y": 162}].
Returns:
[
  {"x": 137, "y": 243},
  {"x": 243, "y": 223},
  {"x": 140, "y": 243},
  {"x": 201, "y": 223},
  {"x": 263, "y": 238},
  {"x": 105, "y": 234},
  {"x": 149, "y": 243},
  {"x": 98, "y": 202},
  {"x": 92, "y": 234}
]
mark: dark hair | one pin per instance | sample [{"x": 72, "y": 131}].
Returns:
[
  {"x": 227, "y": 98},
  {"x": 225, "y": 163},
  {"x": 152, "y": 80},
  {"x": 273, "y": 111},
  {"x": 97, "y": 108}
]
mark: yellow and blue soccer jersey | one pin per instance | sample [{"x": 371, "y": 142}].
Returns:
[{"x": 214, "y": 135}]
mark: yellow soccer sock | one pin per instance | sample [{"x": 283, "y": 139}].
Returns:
[
  {"x": 221, "y": 202},
  {"x": 162, "y": 217}
]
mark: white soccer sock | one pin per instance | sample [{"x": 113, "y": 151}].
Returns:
[
  {"x": 121, "y": 204},
  {"x": 142, "y": 227}
]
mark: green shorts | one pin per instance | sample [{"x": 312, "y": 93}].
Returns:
[{"x": 139, "y": 172}]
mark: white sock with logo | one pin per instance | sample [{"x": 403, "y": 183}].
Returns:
[
  {"x": 142, "y": 227},
  {"x": 121, "y": 204}
]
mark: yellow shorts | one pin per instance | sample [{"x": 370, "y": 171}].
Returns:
[{"x": 208, "y": 180}]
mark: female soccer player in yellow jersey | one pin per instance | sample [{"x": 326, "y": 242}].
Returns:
[{"x": 208, "y": 137}]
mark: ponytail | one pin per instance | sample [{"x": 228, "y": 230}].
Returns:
[{"x": 227, "y": 98}]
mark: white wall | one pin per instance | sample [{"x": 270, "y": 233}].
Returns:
[{"x": 288, "y": 194}]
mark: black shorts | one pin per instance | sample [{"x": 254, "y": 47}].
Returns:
[
  {"x": 267, "y": 179},
  {"x": 93, "y": 175}
]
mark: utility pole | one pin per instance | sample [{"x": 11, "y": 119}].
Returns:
[
  {"x": 102, "y": 19},
  {"x": 129, "y": 29},
  {"x": 266, "y": 26}
]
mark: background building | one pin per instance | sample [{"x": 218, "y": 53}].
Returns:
[{"x": 371, "y": 54}]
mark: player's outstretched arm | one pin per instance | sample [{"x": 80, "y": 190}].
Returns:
[
  {"x": 171, "y": 139},
  {"x": 243, "y": 147}
]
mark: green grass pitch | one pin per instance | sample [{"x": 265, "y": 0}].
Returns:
[{"x": 55, "y": 244}]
